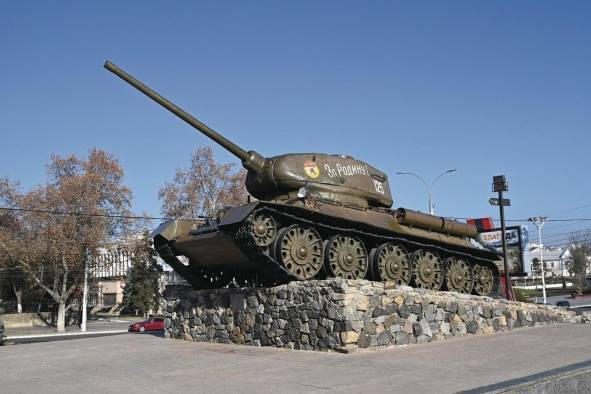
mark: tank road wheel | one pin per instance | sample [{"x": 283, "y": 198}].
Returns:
[
  {"x": 300, "y": 251},
  {"x": 427, "y": 270},
  {"x": 390, "y": 262},
  {"x": 346, "y": 257},
  {"x": 483, "y": 279},
  {"x": 264, "y": 229},
  {"x": 458, "y": 276}
]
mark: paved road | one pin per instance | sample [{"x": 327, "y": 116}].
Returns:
[
  {"x": 578, "y": 301},
  {"x": 134, "y": 363},
  {"x": 578, "y": 305}
]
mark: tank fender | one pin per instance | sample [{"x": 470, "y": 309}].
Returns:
[
  {"x": 171, "y": 229},
  {"x": 238, "y": 214}
]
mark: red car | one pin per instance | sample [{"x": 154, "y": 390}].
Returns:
[{"x": 152, "y": 324}]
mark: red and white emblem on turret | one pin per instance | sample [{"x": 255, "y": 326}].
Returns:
[{"x": 311, "y": 169}]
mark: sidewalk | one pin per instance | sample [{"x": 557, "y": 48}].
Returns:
[{"x": 98, "y": 327}]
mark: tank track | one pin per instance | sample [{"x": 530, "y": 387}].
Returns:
[{"x": 275, "y": 272}]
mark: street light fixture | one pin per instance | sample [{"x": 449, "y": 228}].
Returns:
[
  {"x": 539, "y": 221},
  {"x": 428, "y": 186}
]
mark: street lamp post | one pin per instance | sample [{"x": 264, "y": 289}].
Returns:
[
  {"x": 428, "y": 186},
  {"x": 539, "y": 221},
  {"x": 84, "y": 294},
  {"x": 501, "y": 185}
]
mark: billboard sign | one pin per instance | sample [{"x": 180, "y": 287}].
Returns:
[{"x": 515, "y": 238}]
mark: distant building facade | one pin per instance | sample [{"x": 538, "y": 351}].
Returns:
[{"x": 556, "y": 261}]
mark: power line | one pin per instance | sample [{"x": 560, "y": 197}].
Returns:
[
  {"x": 571, "y": 233},
  {"x": 564, "y": 245},
  {"x": 570, "y": 240},
  {"x": 525, "y": 220},
  {"x": 205, "y": 217},
  {"x": 570, "y": 209},
  {"x": 66, "y": 213},
  {"x": 563, "y": 225},
  {"x": 80, "y": 213}
]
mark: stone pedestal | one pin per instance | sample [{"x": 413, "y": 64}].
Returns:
[{"x": 345, "y": 315}]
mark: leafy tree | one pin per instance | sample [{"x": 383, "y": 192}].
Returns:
[
  {"x": 142, "y": 289},
  {"x": 579, "y": 254},
  {"x": 54, "y": 227},
  {"x": 203, "y": 188}
]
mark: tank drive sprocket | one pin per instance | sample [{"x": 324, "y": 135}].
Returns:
[{"x": 264, "y": 228}]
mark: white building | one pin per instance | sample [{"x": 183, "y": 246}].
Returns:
[{"x": 556, "y": 260}]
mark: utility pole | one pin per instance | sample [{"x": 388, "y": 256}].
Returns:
[
  {"x": 539, "y": 221},
  {"x": 501, "y": 185},
  {"x": 84, "y": 294}
]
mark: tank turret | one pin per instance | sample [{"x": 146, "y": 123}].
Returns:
[{"x": 337, "y": 178}]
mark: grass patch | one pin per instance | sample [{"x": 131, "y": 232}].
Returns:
[{"x": 524, "y": 295}]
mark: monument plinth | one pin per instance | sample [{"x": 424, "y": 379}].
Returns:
[{"x": 345, "y": 315}]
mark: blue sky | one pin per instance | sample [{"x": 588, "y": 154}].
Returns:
[{"x": 488, "y": 88}]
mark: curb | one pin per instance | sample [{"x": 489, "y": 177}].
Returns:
[
  {"x": 64, "y": 336},
  {"x": 574, "y": 378}
]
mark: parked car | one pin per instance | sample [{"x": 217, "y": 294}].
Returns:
[
  {"x": 563, "y": 304},
  {"x": 151, "y": 324}
]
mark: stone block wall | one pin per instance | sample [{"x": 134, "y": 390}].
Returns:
[{"x": 345, "y": 315}]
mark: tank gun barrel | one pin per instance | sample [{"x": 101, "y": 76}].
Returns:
[{"x": 250, "y": 160}]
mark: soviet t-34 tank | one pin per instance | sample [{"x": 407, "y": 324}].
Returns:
[{"x": 318, "y": 216}]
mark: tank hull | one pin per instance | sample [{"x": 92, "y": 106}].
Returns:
[{"x": 227, "y": 251}]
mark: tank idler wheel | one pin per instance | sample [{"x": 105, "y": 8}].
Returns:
[
  {"x": 483, "y": 279},
  {"x": 390, "y": 262},
  {"x": 346, "y": 257},
  {"x": 458, "y": 276},
  {"x": 300, "y": 250},
  {"x": 427, "y": 270},
  {"x": 264, "y": 229}
]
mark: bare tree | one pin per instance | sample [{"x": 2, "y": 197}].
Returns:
[
  {"x": 55, "y": 227},
  {"x": 18, "y": 283},
  {"x": 203, "y": 187},
  {"x": 579, "y": 254}
]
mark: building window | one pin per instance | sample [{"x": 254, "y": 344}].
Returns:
[{"x": 110, "y": 299}]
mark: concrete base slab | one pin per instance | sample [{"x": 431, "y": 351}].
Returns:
[{"x": 147, "y": 364}]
